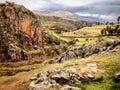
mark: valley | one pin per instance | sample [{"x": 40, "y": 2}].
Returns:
[
  {"x": 57, "y": 50},
  {"x": 22, "y": 74}
]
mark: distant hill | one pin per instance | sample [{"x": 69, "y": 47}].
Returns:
[
  {"x": 59, "y": 25},
  {"x": 56, "y": 24},
  {"x": 61, "y": 14},
  {"x": 68, "y": 15}
]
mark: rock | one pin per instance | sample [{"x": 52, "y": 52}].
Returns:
[
  {"x": 92, "y": 67},
  {"x": 51, "y": 61},
  {"x": 67, "y": 87},
  {"x": 16, "y": 53},
  {"x": 90, "y": 76},
  {"x": 88, "y": 49},
  {"x": 89, "y": 71},
  {"x": 60, "y": 77},
  {"x": 117, "y": 77},
  {"x": 35, "y": 47},
  {"x": 51, "y": 78},
  {"x": 20, "y": 31}
]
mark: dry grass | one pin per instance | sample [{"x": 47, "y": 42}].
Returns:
[{"x": 86, "y": 31}]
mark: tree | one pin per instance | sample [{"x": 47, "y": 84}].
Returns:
[
  {"x": 104, "y": 31},
  {"x": 118, "y": 19}
]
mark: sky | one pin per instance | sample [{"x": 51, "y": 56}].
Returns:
[{"x": 108, "y": 10}]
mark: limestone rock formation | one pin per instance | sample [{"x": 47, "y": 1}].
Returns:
[
  {"x": 88, "y": 49},
  {"x": 20, "y": 31},
  {"x": 61, "y": 77}
]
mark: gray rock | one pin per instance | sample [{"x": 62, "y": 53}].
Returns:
[
  {"x": 44, "y": 80},
  {"x": 67, "y": 87},
  {"x": 88, "y": 49},
  {"x": 117, "y": 77}
]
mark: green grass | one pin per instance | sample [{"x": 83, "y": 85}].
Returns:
[
  {"x": 61, "y": 38},
  {"x": 85, "y": 32}
]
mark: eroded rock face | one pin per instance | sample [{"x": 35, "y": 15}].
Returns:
[
  {"x": 88, "y": 49},
  {"x": 20, "y": 28}
]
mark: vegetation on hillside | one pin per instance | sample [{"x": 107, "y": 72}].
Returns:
[{"x": 112, "y": 29}]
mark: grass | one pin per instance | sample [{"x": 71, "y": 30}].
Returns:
[
  {"x": 61, "y": 38},
  {"x": 85, "y": 32},
  {"x": 86, "y": 35}
]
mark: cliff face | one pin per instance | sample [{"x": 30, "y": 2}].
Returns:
[{"x": 20, "y": 30}]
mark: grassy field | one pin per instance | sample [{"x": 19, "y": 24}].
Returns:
[{"x": 85, "y": 32}]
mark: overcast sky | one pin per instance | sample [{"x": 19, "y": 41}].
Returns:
[{"x": 105, "y": 9}]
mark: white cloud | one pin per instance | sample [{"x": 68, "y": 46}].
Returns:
[
  {"x": 30, "y": 4},
  {"x": 97, "y": 15},
  {"x": 77, "y": 2},
  {"x": 106, "y": 9}
]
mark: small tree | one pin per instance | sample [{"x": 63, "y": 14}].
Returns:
[
  {"x": 118, "y": 19},
  {"x": 104, "y": 31}
]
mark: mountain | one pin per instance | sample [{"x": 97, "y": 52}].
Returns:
[
  {"x": 61, "y": 14},
  {"x": 68, "y": 15},
  {"x": 56, "y": 24},
  {"x": 62, "y": 21}
]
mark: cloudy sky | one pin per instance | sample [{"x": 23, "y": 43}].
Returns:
[{"x": 108, "y": 10}]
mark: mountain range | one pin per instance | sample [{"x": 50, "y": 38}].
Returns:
[{"x": 69, "y": 16}]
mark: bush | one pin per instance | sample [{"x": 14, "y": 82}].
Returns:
[{"x": 71, "y": 42}]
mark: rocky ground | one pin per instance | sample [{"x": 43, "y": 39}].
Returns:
[{"x": 59, "y": 78}]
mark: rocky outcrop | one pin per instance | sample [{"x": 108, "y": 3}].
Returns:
[
  {"x": 20, "y": 31},
  {"x": 61, "y": 77},
  {"x": 88, "y": 49},
  {"x": 53, "y": 78}
]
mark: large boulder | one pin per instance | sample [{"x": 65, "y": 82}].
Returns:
[{"x": 20, "y": 30}]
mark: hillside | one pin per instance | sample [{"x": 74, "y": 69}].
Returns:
[
  {"x": 57, "y": 21},
  {"x": 61, "y": 14},
  {"x": 56, "y": 24},
  {"x": 86, "y": 31},
  {"x": 20, "y": 31},
  {"x": 68, "y": 15}
]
